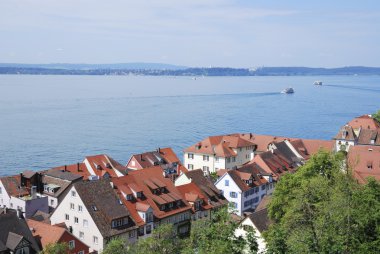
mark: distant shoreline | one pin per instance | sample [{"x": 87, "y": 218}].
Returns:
[{"x": 195, "y": 72}]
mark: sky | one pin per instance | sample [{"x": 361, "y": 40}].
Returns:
[{"x": 197, "y": 33}]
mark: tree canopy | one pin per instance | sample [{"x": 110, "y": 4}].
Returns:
[
  {"x": 216, "y": 235},
  {"x": 322, "y": 209},
  {"x": 377, "y": 116}
]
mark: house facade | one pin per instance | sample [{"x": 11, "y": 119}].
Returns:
[
  {"x": 244, "y": 189},
  {"x": 219, "y": 152},
  {"x": 94, "y": 214}
]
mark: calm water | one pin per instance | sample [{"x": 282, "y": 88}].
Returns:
[{"x": 48, "y": 121}]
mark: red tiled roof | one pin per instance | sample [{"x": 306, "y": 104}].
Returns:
[
  {"x": 222, "y": 145},
  {"x": 364, "y": 162},
  {"x": 12, "y": 185},
  {"x": 364, "y": 122},
  {"x": 191, "y": 192},
  {"x": 307, "y": 147},
  {"x": 153, "y": 158},
  {"x": 45, "y": 232},
  {"x": 102, "y": 163},
  {"x": 262, "y": 141},
  {"x": 140, "y": 178}
]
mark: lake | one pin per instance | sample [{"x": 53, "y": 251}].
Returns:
[{"x": 48, "y": 121}]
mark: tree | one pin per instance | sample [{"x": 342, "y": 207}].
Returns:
[
  {"x": 216, "y": 236},
  {"x": 377, "y": 116},
  {"x": 163, "y": 241},
  {"x": 116, "y": 246},
  {"x": 322, "y": 209},
  {"x": 56, "y": 248}
]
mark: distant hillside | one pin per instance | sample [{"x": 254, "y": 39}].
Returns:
[
  {"x": 117, "y": 66},
  {"x": 149, "y": 69}
]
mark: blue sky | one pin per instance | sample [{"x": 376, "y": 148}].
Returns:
[{"x": 192, "y": 33}]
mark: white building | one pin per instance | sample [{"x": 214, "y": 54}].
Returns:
[
  {"x": 259, "y": 222},
  {"x": 18, "y": 193},
  {"x": 94, "y": 214},
  {"x": 244, "y": 188},
  {"x": 219, "y": 152}
]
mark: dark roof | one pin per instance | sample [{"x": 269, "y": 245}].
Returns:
[
  {"x": 41, "y": 216},
  {"x": 103, "y": 205},
  {"x": 260, "y": 219},
  {"x": 366, "y": 137},
  {"x": 63, "y": 185},
  {"x": 28, "y": 173},
  {"x": 62, "y": 174},
  {"x": 12, "y": 229},
  {"x": 264, "y": 203},
  {"x": 207, "y": 187},
  {"x": 284, "y": 150},
  {"x": 346, "y": 133}
]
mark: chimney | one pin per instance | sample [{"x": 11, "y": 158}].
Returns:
[
  {"x": 159, "y": 150},
  {"x": 250, "y": 135},
  {"x": 78, "y": 167},
  {"x": 65, "y": 168},
  {"x": 141, "y": 158}
]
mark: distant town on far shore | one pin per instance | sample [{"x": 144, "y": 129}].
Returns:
[{"x": 159, "y": 69}]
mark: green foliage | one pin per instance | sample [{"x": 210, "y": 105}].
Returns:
[
  {"x": 116, "y": 246},
  {"x": 377, "y": 116},
  {"x": 162, "y": 241},
  {"x": 218, "y": 236},
  {"x": 56, "y": 248},
  {"x": 322, "y": 209}
]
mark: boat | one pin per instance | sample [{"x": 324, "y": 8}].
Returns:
[
  {"x": 317, "y": 83},
  {"x": 288, "y": 90}
]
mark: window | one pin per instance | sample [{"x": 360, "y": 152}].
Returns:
[
  {"x": 228, "y": 160},
  {"x": 149, "y": 217},
  {"x": 71, "y": 244},
  {"x": 85, "y": 223},
  {"x": 148, "y": 229},
  {"x": 263, "y": 187},
  {"x": 247, "y": 227},
  {"x": 206, "y": 157},
  {"x": 81, "y": 235},
  {"x": 233, "y": 194},
  {"x": 95, "y": 239},
  {"x": 190, "y": 166},
  {"x": 217, "y": 159},
  {"x": 141, "y": 231},
  {"x": 0, "y": 190},
  {"x": 81, "y": 252},
  {"x": 190, "y": 156},
  {"x": 51, "y": 202},
  {"x": 131, "y": 234},
  {"x": 67, "y": 217},
  {"x": 226, "y": 183},
  {"x": 133, "y": 163},
  {"x": 233, "y": 204},
  {"x": 233, "y": 159},
  {"x": 240, "y": 149},
  {"x": 73, "y": 194},
  {"x": 76, "y": 220},
  {"x": 205, "y": 169},
  {"x": 71, "y": 206},
  {"x": 80, "y": 208}
]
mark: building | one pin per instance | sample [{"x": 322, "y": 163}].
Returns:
[
  {"x": 51, "y": 234},
  {"x": 364, "y": 161},
  {"x": 262, "y": 142},
  {"x": 245, "y": 187},
  {"x": 22, "y": 192},
  {"x": 56, "y": 184},
  {"x": 94, "y": 214},
  {"x": 282, "y": 158},
  {"x": 103, "y": 166},
  {"x": 163, "y": 157},
  {"x": 259, "y": 222},
  {"x": 219, "y": 152},
  {"x": 213, "y": 195},
  {"x": 152, "y": 199},
  {"x": 15, "y": 236},
  {"x": 362, "y": 130}
]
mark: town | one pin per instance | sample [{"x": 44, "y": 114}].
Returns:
[{"x": 87, "y": 204}]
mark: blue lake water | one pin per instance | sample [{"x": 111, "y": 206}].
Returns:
[{"x": 48, "y": 121}]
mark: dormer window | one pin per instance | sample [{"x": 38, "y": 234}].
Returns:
[
  {"x": 197, "y": 205},
  {"x": 178, "y": 202},
  {"x": 170, "y": 205},
  {"x": 129, "y": 197},
  {"x": 369, "y": 164},
  {"x": 149, "y": 217},
  {"x": 162, "y": 208},
  {"x": 119, "y": 222}
]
